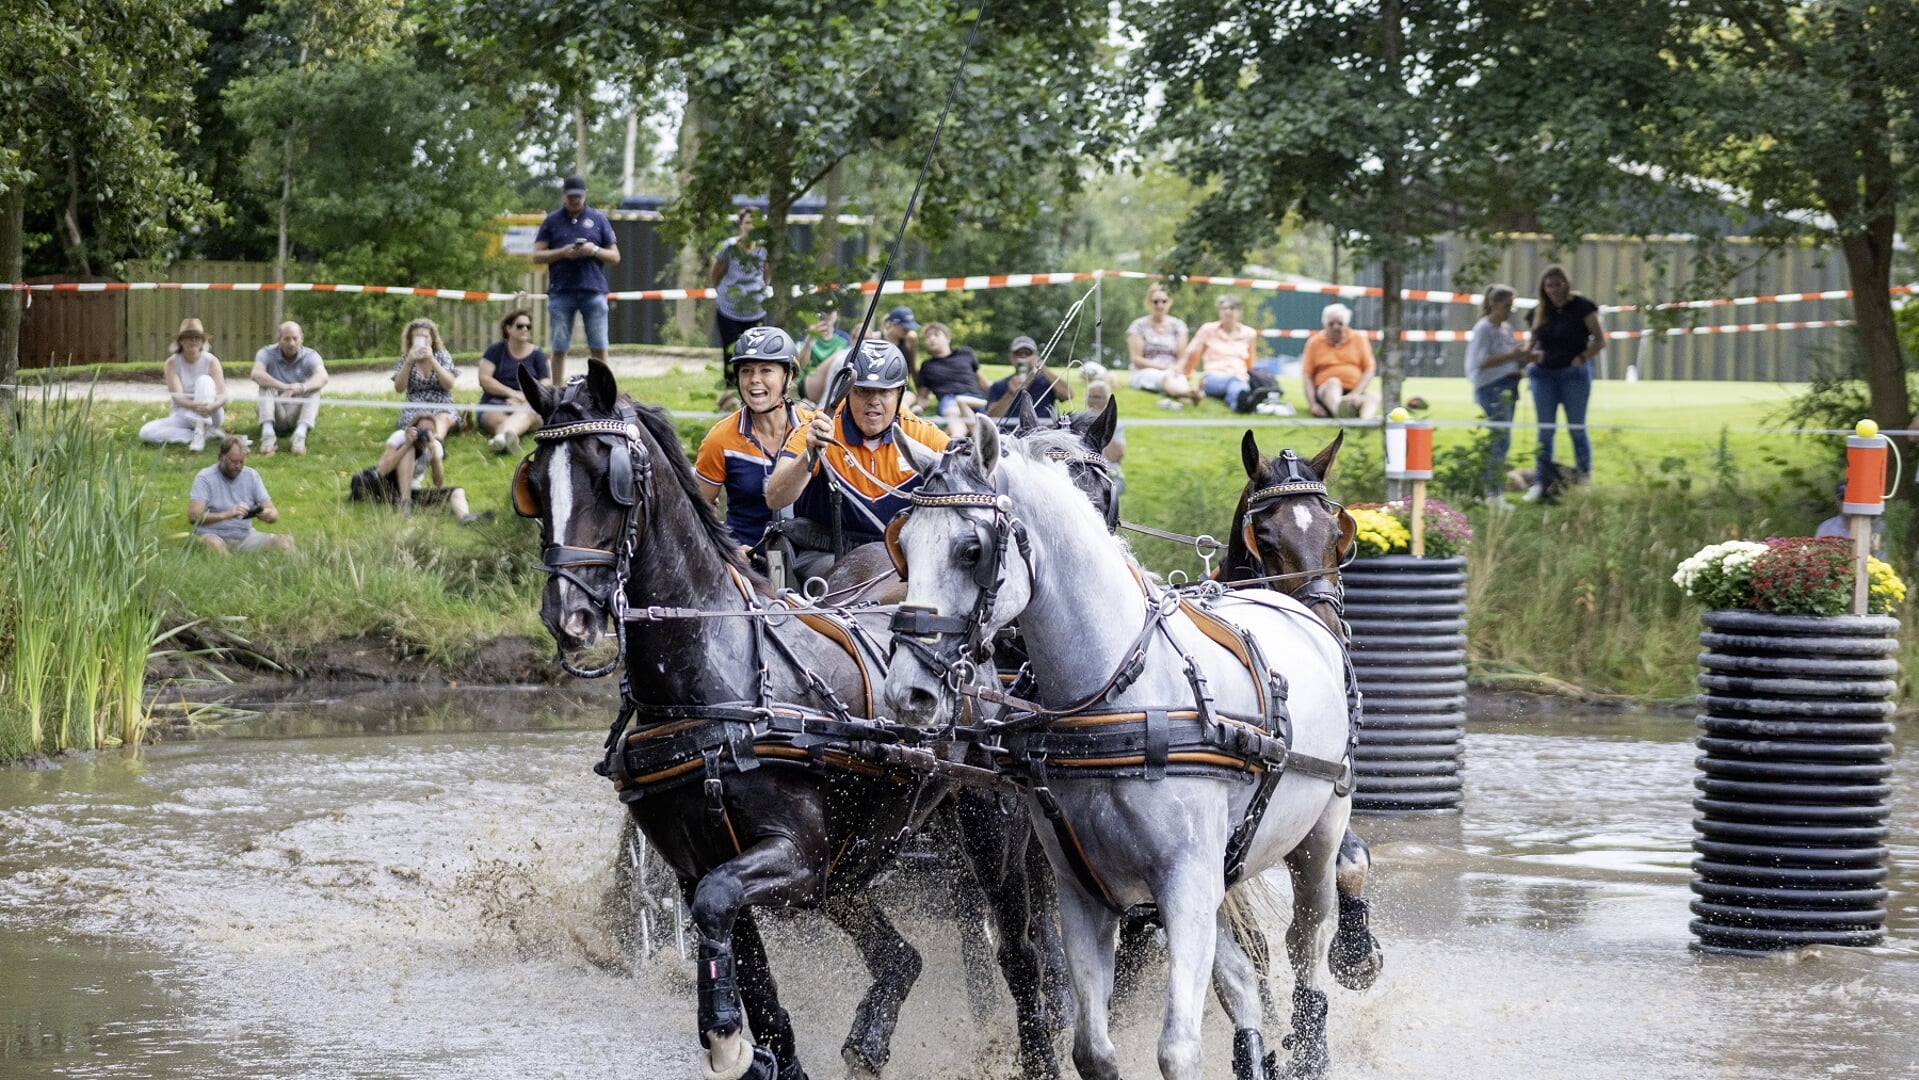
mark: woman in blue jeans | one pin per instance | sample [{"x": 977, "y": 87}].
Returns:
[{"x": 1566, "y": 335}]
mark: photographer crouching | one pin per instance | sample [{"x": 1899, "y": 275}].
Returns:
[{"x": 225, "y": 499}]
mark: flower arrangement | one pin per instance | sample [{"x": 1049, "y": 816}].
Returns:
[
  {"x": 1386, "y": 529},
  {"x": 1378, "y": 533},
  {"x": 1785, "y": 576}
]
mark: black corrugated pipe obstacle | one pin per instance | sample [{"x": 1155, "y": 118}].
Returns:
[
  {"x": 1793, "y": 780},
  {"x": 1408, "y": 616}
]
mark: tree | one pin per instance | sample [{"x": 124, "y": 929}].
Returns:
[
  {"x": 1350, "y": 115},
  {"x": 88, "y": 101}
]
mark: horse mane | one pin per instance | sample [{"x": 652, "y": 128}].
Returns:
[
  {"x": 1031, "y": 451},
  {"x": 659, "y": 424},
  {"x": 1239, "y": 562}
]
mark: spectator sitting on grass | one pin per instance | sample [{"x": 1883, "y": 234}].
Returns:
[
  {"x": 425, "y": 374},
  {"x": 1154, "y": 344},
  {"x": 505, "y": 363},
  {"x": 290, "y": 377},
  {"x": 225, "y": 498},
  {"x": 950, "y": 379},
  {"x": 1223, "y": 350},
  {"x": 405, "y": 457},
  {"x": 197, "y": 388},
  {"x": 1338, "y": 367}
]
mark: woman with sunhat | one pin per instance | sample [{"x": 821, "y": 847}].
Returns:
[{"x": 197, "y": 388}]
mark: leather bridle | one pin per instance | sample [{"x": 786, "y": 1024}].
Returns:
[
  {"x": 630, "y": 484},
  {"x": 1320, "y": 590}
]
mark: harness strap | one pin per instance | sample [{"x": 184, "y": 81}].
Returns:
[{"x": 1068, "y": 839}]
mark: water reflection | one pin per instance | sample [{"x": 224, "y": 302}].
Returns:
[{"x": 411, "y": 888}]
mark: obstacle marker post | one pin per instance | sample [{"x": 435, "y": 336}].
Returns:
[
  {"x": 1409, "y": 456},
  {"x": 1865, "y": 499}
]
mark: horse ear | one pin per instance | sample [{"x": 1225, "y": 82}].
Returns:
[
  {"x": 985, "y": 446},
  {"x": 922, "y": 459},
  {"x": 601, "y": 388},
  {"x": 541, "y": 398},
  {"x": 1323, "y": 461},
  {"x": 1249, "y": 455},
  {"x": 1101, "y": 432},
  {"x": 1028, "y": 416}
]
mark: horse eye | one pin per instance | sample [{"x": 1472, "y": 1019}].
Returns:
[{"x": 968, "y": 554}]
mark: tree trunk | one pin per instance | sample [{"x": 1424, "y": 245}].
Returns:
[
  {"x": 280, "y": 250},
  {"x": 13, "y": 214},
  {"x": 779, "y": 203},
  {"x": 693, "y": 263},
  {"x": 76, "y": 240},
  {"x": 1392, "y": 363},
  {"x": 582, "y": 164},
  {"x": 826, "y": 239}
]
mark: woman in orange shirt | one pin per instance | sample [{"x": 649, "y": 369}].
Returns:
[{"x": 1338, "y": 367}]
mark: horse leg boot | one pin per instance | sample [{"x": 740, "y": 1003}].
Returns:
[
  {"x": 772, "y": 869},
  {"x": 1004, "y": 878},
  {"x": 895, "y": 967},
  {"x": 760, "y": 995},
  {"x": 1311, "y": 868},
  {"x": 1355, "y": 958}
]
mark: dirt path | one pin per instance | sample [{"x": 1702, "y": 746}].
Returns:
[{"x": 373, "y": 385}]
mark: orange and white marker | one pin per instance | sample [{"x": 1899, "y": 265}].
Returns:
[
  {"x": 1864, "y": 500},
  {"x": 1409, "y": 456}
]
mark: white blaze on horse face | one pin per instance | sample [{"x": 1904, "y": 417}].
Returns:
[
  {"x": 1303, "y": 516},
  {"x": 559, "y": 488}
]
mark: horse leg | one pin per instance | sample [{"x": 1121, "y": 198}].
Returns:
[
  {"x": 1086, "y": 927},
  {"x": 1043, "y": 904},
  {"x": 1136, "y": 946},
  {"x": 1189, "y": 901},
  {"x": 761, "y": 997},
  {"x": 895, "y": 967},
  {"x": 773, "y": 869},
  {"x": 1240, "y": 985},
  {"x": 972, "y": 895},
  {"x": 996, "y": 847},
  {"x": 1356, "y": 957},
  {"x": 1311, "y": 867}
]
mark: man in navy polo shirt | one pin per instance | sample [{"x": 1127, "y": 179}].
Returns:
[{"x": 575, "y": 243}]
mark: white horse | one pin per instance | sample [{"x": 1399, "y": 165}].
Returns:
[{"x": 1118, "y": 840}]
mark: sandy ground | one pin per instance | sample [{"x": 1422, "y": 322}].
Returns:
[{"x": 362, "y": 385}]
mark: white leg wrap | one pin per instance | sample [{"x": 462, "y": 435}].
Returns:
[{"x": 728, "y": 1058}]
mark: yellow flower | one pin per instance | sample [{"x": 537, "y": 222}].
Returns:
[
  {"x": 1884, "y": 590},
  {"x": 1379, "y": 533}
]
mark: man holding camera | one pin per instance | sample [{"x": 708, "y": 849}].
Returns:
[
  {"x": 575, "y": 244},
  {"x": 226, "y": 497},
  {"x": 1045, "y": 388}
]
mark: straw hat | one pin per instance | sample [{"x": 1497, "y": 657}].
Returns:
[{"x": 189, "y": 326}]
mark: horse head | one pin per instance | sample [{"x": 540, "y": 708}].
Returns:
[
  {"x": 1290, "y": 528},
  {"x": 971, "y": 572},
  {"x": 587, "y": 481}
]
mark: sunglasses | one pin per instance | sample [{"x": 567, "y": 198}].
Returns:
[{"x": 522, "y": 326}]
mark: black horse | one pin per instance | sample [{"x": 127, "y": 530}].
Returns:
[
  {"x": 742, "y": 750},
  {"x": 1287, "y": 528}
]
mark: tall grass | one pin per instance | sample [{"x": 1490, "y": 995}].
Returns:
[{"x": 77, "y": 552}]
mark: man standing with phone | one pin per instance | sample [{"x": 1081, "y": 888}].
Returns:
[{"x": 575, "y": 244}]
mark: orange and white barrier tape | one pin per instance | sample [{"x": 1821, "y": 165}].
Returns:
[{"x": 1615, "y": 335}]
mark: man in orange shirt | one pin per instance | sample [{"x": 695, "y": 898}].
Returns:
[
  {"x": 1338, "y": 368},
  {"x": 868, "y": 468}
]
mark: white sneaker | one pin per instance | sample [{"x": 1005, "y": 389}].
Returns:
[
  {"x": 299, "y": 440},
  {"x": 497, "y": 443},
  {"x": 269, "y": 439},
  {"x": 1535, "y": 493},
  {"x": 199, "y": 440}
]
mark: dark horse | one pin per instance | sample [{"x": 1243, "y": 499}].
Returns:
[
  {"x": 741, "y": 750},
  {"x": 1287, "y": 528}
]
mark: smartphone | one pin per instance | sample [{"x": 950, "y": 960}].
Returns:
[
  {"x": 254, "y": 510},
  {"x": 422, "y": 341}
]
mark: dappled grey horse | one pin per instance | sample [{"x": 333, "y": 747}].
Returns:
[{"x": 1166, "y": 760}]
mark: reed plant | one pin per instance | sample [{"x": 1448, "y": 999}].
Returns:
[{"x": 77, "y": 548}]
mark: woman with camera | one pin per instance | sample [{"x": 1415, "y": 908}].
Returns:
[{"x": 425, "y": 375}]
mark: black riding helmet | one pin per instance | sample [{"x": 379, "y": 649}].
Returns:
[
  {"x": 879, "y": 365},
  {"x": 763, "y": 345}
]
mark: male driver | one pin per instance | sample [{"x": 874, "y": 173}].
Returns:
[
  {"x": 575, "y": 244},
  {"x": 290, "y": 377},
  {"x": 859, "y": 449},
  {"x": 1045, "y": 388},
  {"x": 226, "y": 497}
]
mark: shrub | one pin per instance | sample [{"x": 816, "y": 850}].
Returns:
[
  {"x": 1448, "y": 533},
  {"x": 1785, "y": 576}
]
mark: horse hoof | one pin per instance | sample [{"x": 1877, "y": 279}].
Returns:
[
  {"x": 759, "y": 1065},
  {"x": 1356, "y": 965}
]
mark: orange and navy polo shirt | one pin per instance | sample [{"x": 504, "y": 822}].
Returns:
[
  {"x": 867, "y": 507},
  {"x": 731, "y": 458}
]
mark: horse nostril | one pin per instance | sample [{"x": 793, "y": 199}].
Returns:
[{"x": 920, "y": 702}]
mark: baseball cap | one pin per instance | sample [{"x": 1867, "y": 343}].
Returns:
[
  {"x": 573, "y": 184},
  {"x": 904, "y": 316},
  {"x": 1023, "y": 343}
]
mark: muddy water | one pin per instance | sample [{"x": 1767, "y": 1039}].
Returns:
[{"x": 381, "y": 889}]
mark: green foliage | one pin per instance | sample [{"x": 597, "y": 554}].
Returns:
[
  {"x": 1803, "y": 577},
  {"x": 397, "y": 173},
  {"x": 77, "y": 554}
]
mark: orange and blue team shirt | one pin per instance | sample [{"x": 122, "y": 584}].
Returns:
[
  {"x": 868, "y": 507},
  {"x": 732, "y": 458}
]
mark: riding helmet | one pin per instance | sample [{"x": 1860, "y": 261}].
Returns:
[
  {"x": 763, "y": 345},
  {"x": 879, "y": 365}
]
